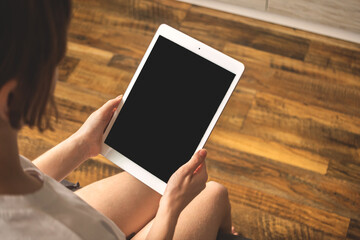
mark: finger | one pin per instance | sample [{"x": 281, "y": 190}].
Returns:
[
  {"x": 200, "y": 177},
  {"x": 200, "y": 174},
  {"x": 200, "y": 168},
  {"x": 197, "y": 159},
  {"x": 108, "y": 120},
  {"x": 106, "y": 114},
  {"x": 115, "y": 102},
  {"x": 109, "y": 106}
]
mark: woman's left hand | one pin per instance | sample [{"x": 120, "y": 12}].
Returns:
[{"x": 91, "y": 132}]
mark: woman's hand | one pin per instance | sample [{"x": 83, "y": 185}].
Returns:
[
  {"x": 183, "y": 186},
  {"x": 91, "y": 132},
  {"x": 62, "y": 159},
  {"x": 186, "y": 183}
]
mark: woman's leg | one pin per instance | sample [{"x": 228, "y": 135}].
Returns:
[
  {"x": 208, "y": 213},
  {"x": 124, "y": 199}
]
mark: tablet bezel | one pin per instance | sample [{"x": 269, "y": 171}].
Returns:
[{"x": 198, "y": 48}]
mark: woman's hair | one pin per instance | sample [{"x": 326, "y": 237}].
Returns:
[{"x": 32, "y": 43}]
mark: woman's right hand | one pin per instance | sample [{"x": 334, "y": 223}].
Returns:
[
  {"x": 186, "y": 183},
  {"x": 183, "y": 186}
]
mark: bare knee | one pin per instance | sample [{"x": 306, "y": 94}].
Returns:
[
  {"x": 217, "y": 188},
  {"x": 219, "y": 199},
  {"x": 218, "y": 193}
]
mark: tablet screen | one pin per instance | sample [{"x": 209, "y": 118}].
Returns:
[{"x": 169, "y": 108}]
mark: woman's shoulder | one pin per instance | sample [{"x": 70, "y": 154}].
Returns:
[
  {"x": 26, "y": 163},
  {"x": 52, "y": 211}
]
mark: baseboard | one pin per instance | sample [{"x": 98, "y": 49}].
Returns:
[{"x": 281, "y": 20}]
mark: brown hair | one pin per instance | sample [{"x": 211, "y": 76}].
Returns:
[{"x": 32, "y": 43}]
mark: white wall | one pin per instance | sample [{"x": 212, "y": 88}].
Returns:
[{"x": 334, "y": 18}]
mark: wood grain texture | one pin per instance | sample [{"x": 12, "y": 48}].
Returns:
[
  {"x": 257, "y": 37},
  {"x": 283, "y": 180},
  {"x": 354, "y": 230},
  {"x": 287, "y": 145},
  {"x": 305, "y": 220}
]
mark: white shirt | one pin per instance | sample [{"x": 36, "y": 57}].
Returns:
[{"x": 52, "y": 212}]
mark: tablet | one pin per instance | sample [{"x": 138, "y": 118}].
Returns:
[{"x": 170, "y": 106}]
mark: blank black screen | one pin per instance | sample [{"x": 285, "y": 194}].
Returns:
[{"x": 169, "y": 108}]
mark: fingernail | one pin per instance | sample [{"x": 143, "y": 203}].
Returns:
[
  {"x": 202, "y": 153},
  {"x": 120, "y": 96}
]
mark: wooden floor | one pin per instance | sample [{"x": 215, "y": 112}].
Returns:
[{"x": 287, "y": 145}]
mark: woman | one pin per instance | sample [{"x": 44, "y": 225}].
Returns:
[{"x": 33, "y": 205}]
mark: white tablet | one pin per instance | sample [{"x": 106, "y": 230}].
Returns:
[{"x": 170, "y": 106}]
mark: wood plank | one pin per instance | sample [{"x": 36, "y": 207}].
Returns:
[
  {"x": 354, "y": 230},
  {"x": 100, "y": 78},
  {"x": 66, "y": 67},
  {"x": 297, "y": 131},
  {"x": 281, "y": 106},
  {"x": 276, "y": 28},
  {"x": 282, "y": 180},
  {"x": 270, "y": 149},
  {"x": 73, "y": 111},
  {"x": 126, "y": 41},
  {"x": 127, "y": 62},
  {"x": 342, "y": 76},
  {"x": 302, "y": 82},
  {"x": 255, "y": 224},
  {"x": 91, "y": 171},
  {"x": 196, "y": 24},
  {"x": 334, "y": 57},
  {"x": 310, "y": 129},
  {"x": 236, "y": 109},
  {"x": 145, "y": 11},
  {"x": 310, "y": 217},
  {"x": 344, "y": 166},
  {"x": 159, "y": 11},
  {"x": 67, "y": 93},
  {"x": 125, "y": 26},
  {"x": 89, "y": 54},
  {"x": 28, "y": 139},
  {"x": 343, "y": 160}
]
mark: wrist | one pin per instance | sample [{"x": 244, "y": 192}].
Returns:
[
  {"x": 81, "y": 146},
  {"x": 164, "y": 223},
  {"x": 169, "y": 208}
]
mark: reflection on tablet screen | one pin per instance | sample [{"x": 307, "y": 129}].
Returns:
[{"x": 169, "y": 108}]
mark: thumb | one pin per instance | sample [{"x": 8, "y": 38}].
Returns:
[
  {"x": 108, "y": 107},
  {"x": 197, "y": 159}
]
